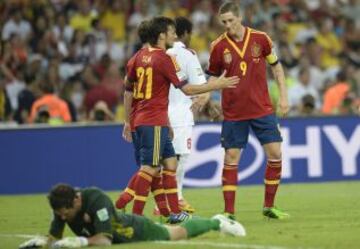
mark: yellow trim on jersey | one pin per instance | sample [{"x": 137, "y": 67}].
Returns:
[
  {"x": 156, "y": 149},
  {"x": 229, "y": 188},
  {"x": 213, "y": 44},
  {"x": 158, "y": 192},
  {"x": 145, "y": 176},
  {"x": 129, "y": 191},
  {"x": 153, "y": 49},
  {"x": 271, "y": 182},
  {"x": 176, "y": 65},
  {"x": 169, "y": 173},
  {"x": 272, "y": 57},
  {"x": 171, "y": 191},
  {"x": 242, "y": 51},
  {"x": 140, "y": 198}
]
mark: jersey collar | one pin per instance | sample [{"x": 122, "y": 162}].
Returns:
[{"x": 179, "y": 44}]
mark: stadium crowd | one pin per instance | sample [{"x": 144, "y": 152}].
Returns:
[{"x": 63, "y": 60}]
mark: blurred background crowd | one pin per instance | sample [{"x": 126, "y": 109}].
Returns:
[{"x": 63, "y": 60}]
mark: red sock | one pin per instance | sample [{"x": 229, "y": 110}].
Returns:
[
  {"x": 142, "y": 188},
  {"x": 272, "y": 180},
  {"x": 229, "y": 182},
  {"x": 159, "y": 195},
  {"x": 128, "y": 194},
  {"x": 170, "y": 186}
]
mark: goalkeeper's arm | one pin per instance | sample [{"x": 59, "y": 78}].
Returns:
[{"x": 76, "y": 242}]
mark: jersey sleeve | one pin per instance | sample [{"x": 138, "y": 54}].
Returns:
[
  {"x": 172, "y": 72},
  {"x": 194, "y": 71},
  {"x": 57, "y": 227},
  {"x": 269, "y": 51},
  {"x": 102, "y": 213},
  {"x": 215, "y": 63},
  {"x": 130, "y": 70}
]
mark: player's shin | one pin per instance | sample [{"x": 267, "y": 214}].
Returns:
[
  {"x": 170, "y": 186},
  {"x": 229, "y": 183},
  {"x": 198, "y": 226},
  {"x": 128, "y": 194},
  {"x": 142, "y": 189},
  {"x": 272, "y": 180},
  {"x": 159, "y": 195}
]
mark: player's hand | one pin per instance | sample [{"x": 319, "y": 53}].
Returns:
[
  {"x": 214, "y": 111},
  {"x": 199, "y": 102},
  {"x": 126, "y": 133},
  {"x": 36, "y": 242},
  {"x": 71, "y": 242},
  {"x": 284, "y": 106},
  {"x": 227, "y": 82}
]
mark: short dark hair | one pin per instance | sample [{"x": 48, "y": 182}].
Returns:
[
  {"x": 159, "y": 25},
  {"x": 229, "y": 7},
  {"x": 182, "y": 25},
  {"x": 143, "y": 31},
  {"x": 61, "y": 196},
  {"x": 47, "y": 87}
]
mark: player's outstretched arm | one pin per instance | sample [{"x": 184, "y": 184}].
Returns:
[
  {"x": 279, "y": 76},
  {"x": 212, "y": 84},
  {"x": 128, "y": 98},
  {"x": 77, "y": 242}
]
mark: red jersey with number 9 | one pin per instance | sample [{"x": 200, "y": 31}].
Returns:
[
  {"x": 152, "y": 71},
  {"x": 246, "y": 59}
]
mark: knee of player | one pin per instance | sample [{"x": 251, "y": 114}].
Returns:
[
  {"x": 232, "y": 156},
  {"x": 274, "y": 155}
]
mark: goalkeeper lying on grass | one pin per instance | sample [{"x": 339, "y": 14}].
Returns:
[{"x": 91, "y": 215}]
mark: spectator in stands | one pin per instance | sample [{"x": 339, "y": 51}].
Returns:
[
  {"x": 83, "y": 18},
  {"x": 101, "y": 112},
  {"x": 49, "y": 106},
  {"x": 330, "y": 44},
  {"x": 320, "y": 35},
  {"x": 16, "y": 25},
  {"x": 5, "y": 107},
  {"x": 114, "y": 19},
  {"x": 301, "y": 89},
  {"x": 306, "y": 107},
  {"x": 335, "y": 95}
]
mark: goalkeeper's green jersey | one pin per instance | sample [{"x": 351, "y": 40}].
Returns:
[{"x": 98, "y": 216}]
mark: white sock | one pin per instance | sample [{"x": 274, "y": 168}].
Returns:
[{"x": 180, "y": 173}]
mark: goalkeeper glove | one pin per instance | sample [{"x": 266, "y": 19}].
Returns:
[
  {"x": 36, "y": 242},
  {"x": 71, "y": 242}
]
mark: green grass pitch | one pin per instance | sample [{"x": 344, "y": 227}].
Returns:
[{"x": 323, "y": 216}]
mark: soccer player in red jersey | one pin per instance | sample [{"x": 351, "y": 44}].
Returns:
[
  {"x": 149, "y": 77},
  {"x": 129, "y": 135},
  {"x": 244, "y": 52}
]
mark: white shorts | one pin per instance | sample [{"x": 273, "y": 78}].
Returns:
[{"x": 182, "y": 139}]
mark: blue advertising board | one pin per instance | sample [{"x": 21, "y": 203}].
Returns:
[{"x": 32, "y": 160}]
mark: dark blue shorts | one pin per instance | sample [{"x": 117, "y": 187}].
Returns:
[
  {"x": 234, "y": 134},
  {"x": 153, "y": 144}
]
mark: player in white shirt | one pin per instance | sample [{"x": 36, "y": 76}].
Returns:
[{"x": 181, "y": 107}]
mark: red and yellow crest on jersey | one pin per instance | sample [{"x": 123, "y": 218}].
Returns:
[
  {"x": 255, "y": 50},
  {"x": 227, "y": 56}
]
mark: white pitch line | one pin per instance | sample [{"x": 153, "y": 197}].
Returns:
[
  {"x": 183, "y": 242},
  {"x": 220, "y": 245},
  {"x": 23, "y": 236}
]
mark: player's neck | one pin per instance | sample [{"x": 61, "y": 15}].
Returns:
[
  {"x": 161, "y": 45},
  {"x": 239, "y": 35}
]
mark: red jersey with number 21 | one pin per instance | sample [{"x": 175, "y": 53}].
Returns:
[
  {"x": 246, "y": 59},
  {"x": 152, "y": 72}
]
